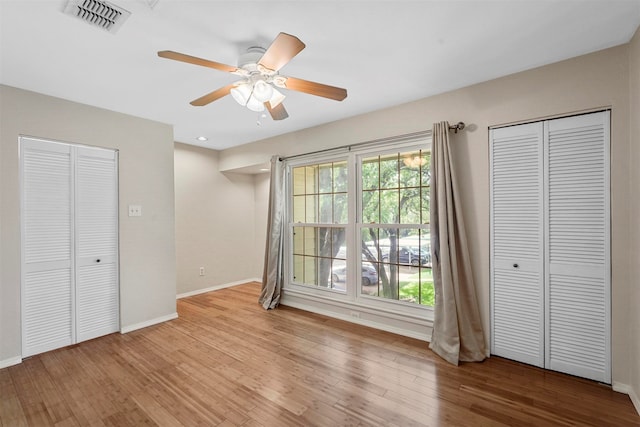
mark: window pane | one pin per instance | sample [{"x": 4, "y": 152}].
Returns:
[
  {"x": 369, "y": 275},
  {"x": 410, "y": 206},
  {"x": 324, "y": 242},
  {"x": 410, "y": 170},
  {"x": 315, "y": 249},
  {"x": 425, "y": 169},
  {"x": 338, "y": 275},
  {"x": 425, "y": 244},
  {"x": 325, "y": 178},
  {"x": 311, "y": 209},
  {"x": 310, "y": 241},
  {"x": 338, "y": 242},
  {"x": 297, "y": 175},
  {"x": 340, "y": 177},
  {"x": 310, "y": 271},
  {"x": 389, "y": 287},
  {"x": 299, "y": 214},
  {"x": 298, "y": 240},
  {"x": 389, "y": 172},
  {"x": 424, "y": 208},
  {"x": 427, "y": 293},
  {"x": 298, "y": 268},
  {"x": 370, "y": 247},
  {"x": 326, "y": 208},
  {"x": 389, "y": 206},
  {"x": 323, "y": 277},
  {"x": 311, "y": 179},
  {"x": 388, "y": 245},
  {"x": 370, "y": 174},
  {"x": 371, "y": 207},
  {"x": 340, "y": 209},
  {"x": 410, "y": 288}
]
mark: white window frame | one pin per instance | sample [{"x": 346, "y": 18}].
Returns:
[{"x": 353, "y": 296}]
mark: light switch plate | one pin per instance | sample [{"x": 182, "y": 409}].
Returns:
[{"x": 135, "y": 210}]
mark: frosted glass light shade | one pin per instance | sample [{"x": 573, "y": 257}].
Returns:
[
  {"x": 276, "y": 98},
  {"x": 254, "y": 105},
  {"x": 241, "y": 93},
  {"x": 262, "y": 91}
]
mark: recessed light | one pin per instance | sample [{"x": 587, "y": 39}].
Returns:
[{"x": 202, "y": 138}]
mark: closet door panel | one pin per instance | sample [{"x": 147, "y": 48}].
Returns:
[
  {"x": 578, "y": 248},
  {"x": 97, "y": 243},
  {"x": 517, "y": 243},
  {"x": 47, "y": 299}
]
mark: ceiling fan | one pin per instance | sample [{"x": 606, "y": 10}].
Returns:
[{"x": 259, "y": 68}]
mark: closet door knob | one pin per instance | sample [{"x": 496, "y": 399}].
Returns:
[
  {"x": 514, "y": 265},
  {"x": 97, "y": 260}
]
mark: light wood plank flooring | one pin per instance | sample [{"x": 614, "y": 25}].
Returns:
[{"x": 228, "y": 362}]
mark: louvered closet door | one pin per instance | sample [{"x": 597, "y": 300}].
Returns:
[
  {"x": 96, "y": 243},
  {"x": 517, "y": 243},
  {"x": 578, "y": 248},
  {"x": 47, "y": 257},
  {"x": 69, "y": 244}
]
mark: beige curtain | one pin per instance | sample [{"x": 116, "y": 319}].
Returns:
[
  {"x": 457, "y": 328},
  {"x": 272, "y": 277}
]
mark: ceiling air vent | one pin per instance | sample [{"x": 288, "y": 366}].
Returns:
[{"x": 99, "y": 13}]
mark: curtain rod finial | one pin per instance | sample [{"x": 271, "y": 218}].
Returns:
[{"x": 458, "y": 126}]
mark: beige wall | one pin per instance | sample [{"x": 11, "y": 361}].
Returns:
[
  {"x": 584, "y": 83},
  {"x": 261, "y": 197},
  {"x": 634, "y": 253},
  {"x": 147, "y": 244},
  {"x": 215, "y": 222}
]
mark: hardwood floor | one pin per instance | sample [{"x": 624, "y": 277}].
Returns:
[{"x": 228, "y": 362}]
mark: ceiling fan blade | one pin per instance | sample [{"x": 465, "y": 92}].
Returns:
[
  {"x": 317, "y": 89},
  {"x": 278, "y": 112},
  {"x": 210, "y": 97},
  {"x": 282, "y": 49},
  {"x": 169, "y": 54}
]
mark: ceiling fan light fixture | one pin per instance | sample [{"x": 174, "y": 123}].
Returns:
[
  {"x": 262, "y": 91},
  {"x": 276, "y": 98},
  {"x": 241, "y": 93},
  {"x": 259, "y": 71},
  {"x": 255, "y": 105}
]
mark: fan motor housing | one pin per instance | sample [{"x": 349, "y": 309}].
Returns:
[{"x": 249, "y": 60}]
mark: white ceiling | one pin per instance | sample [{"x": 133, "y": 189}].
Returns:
[{"x": 383, "y": 52}]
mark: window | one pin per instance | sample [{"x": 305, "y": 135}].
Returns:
[
  {"x": 394, "y": 233},
  {"x": 359, "y": 227},
  {"x": 320, "y": 213}
]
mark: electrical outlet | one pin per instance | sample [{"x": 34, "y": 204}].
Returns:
[
  {"x": 202, "y": 271},
  {"x": 135, "y": 210}
]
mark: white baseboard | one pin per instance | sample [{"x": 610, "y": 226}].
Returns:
[
  {"x": 635, "y": 400},
  {"x": 146, "y": 323},
  {"x": 215, "y": 288},
  {"x": 626, "y": 389},
  {"x": 425, "y": 336},
  {"x": 10, "y": 362}
]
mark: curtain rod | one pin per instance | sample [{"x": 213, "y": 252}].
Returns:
[{"x": 399, "y": 138}]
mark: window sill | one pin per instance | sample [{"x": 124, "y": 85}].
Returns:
[{"x": 404, "y": 324}]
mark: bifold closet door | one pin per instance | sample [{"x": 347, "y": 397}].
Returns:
[
  {"x": 517, "y": 220},
  {"x": 69, "y": 244},
  {"x": 550, "y": 244},
  {"x": 47, "y": 246},
  {"x": 578, "y": 272},
  {"x": 96, "y": 243}
]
